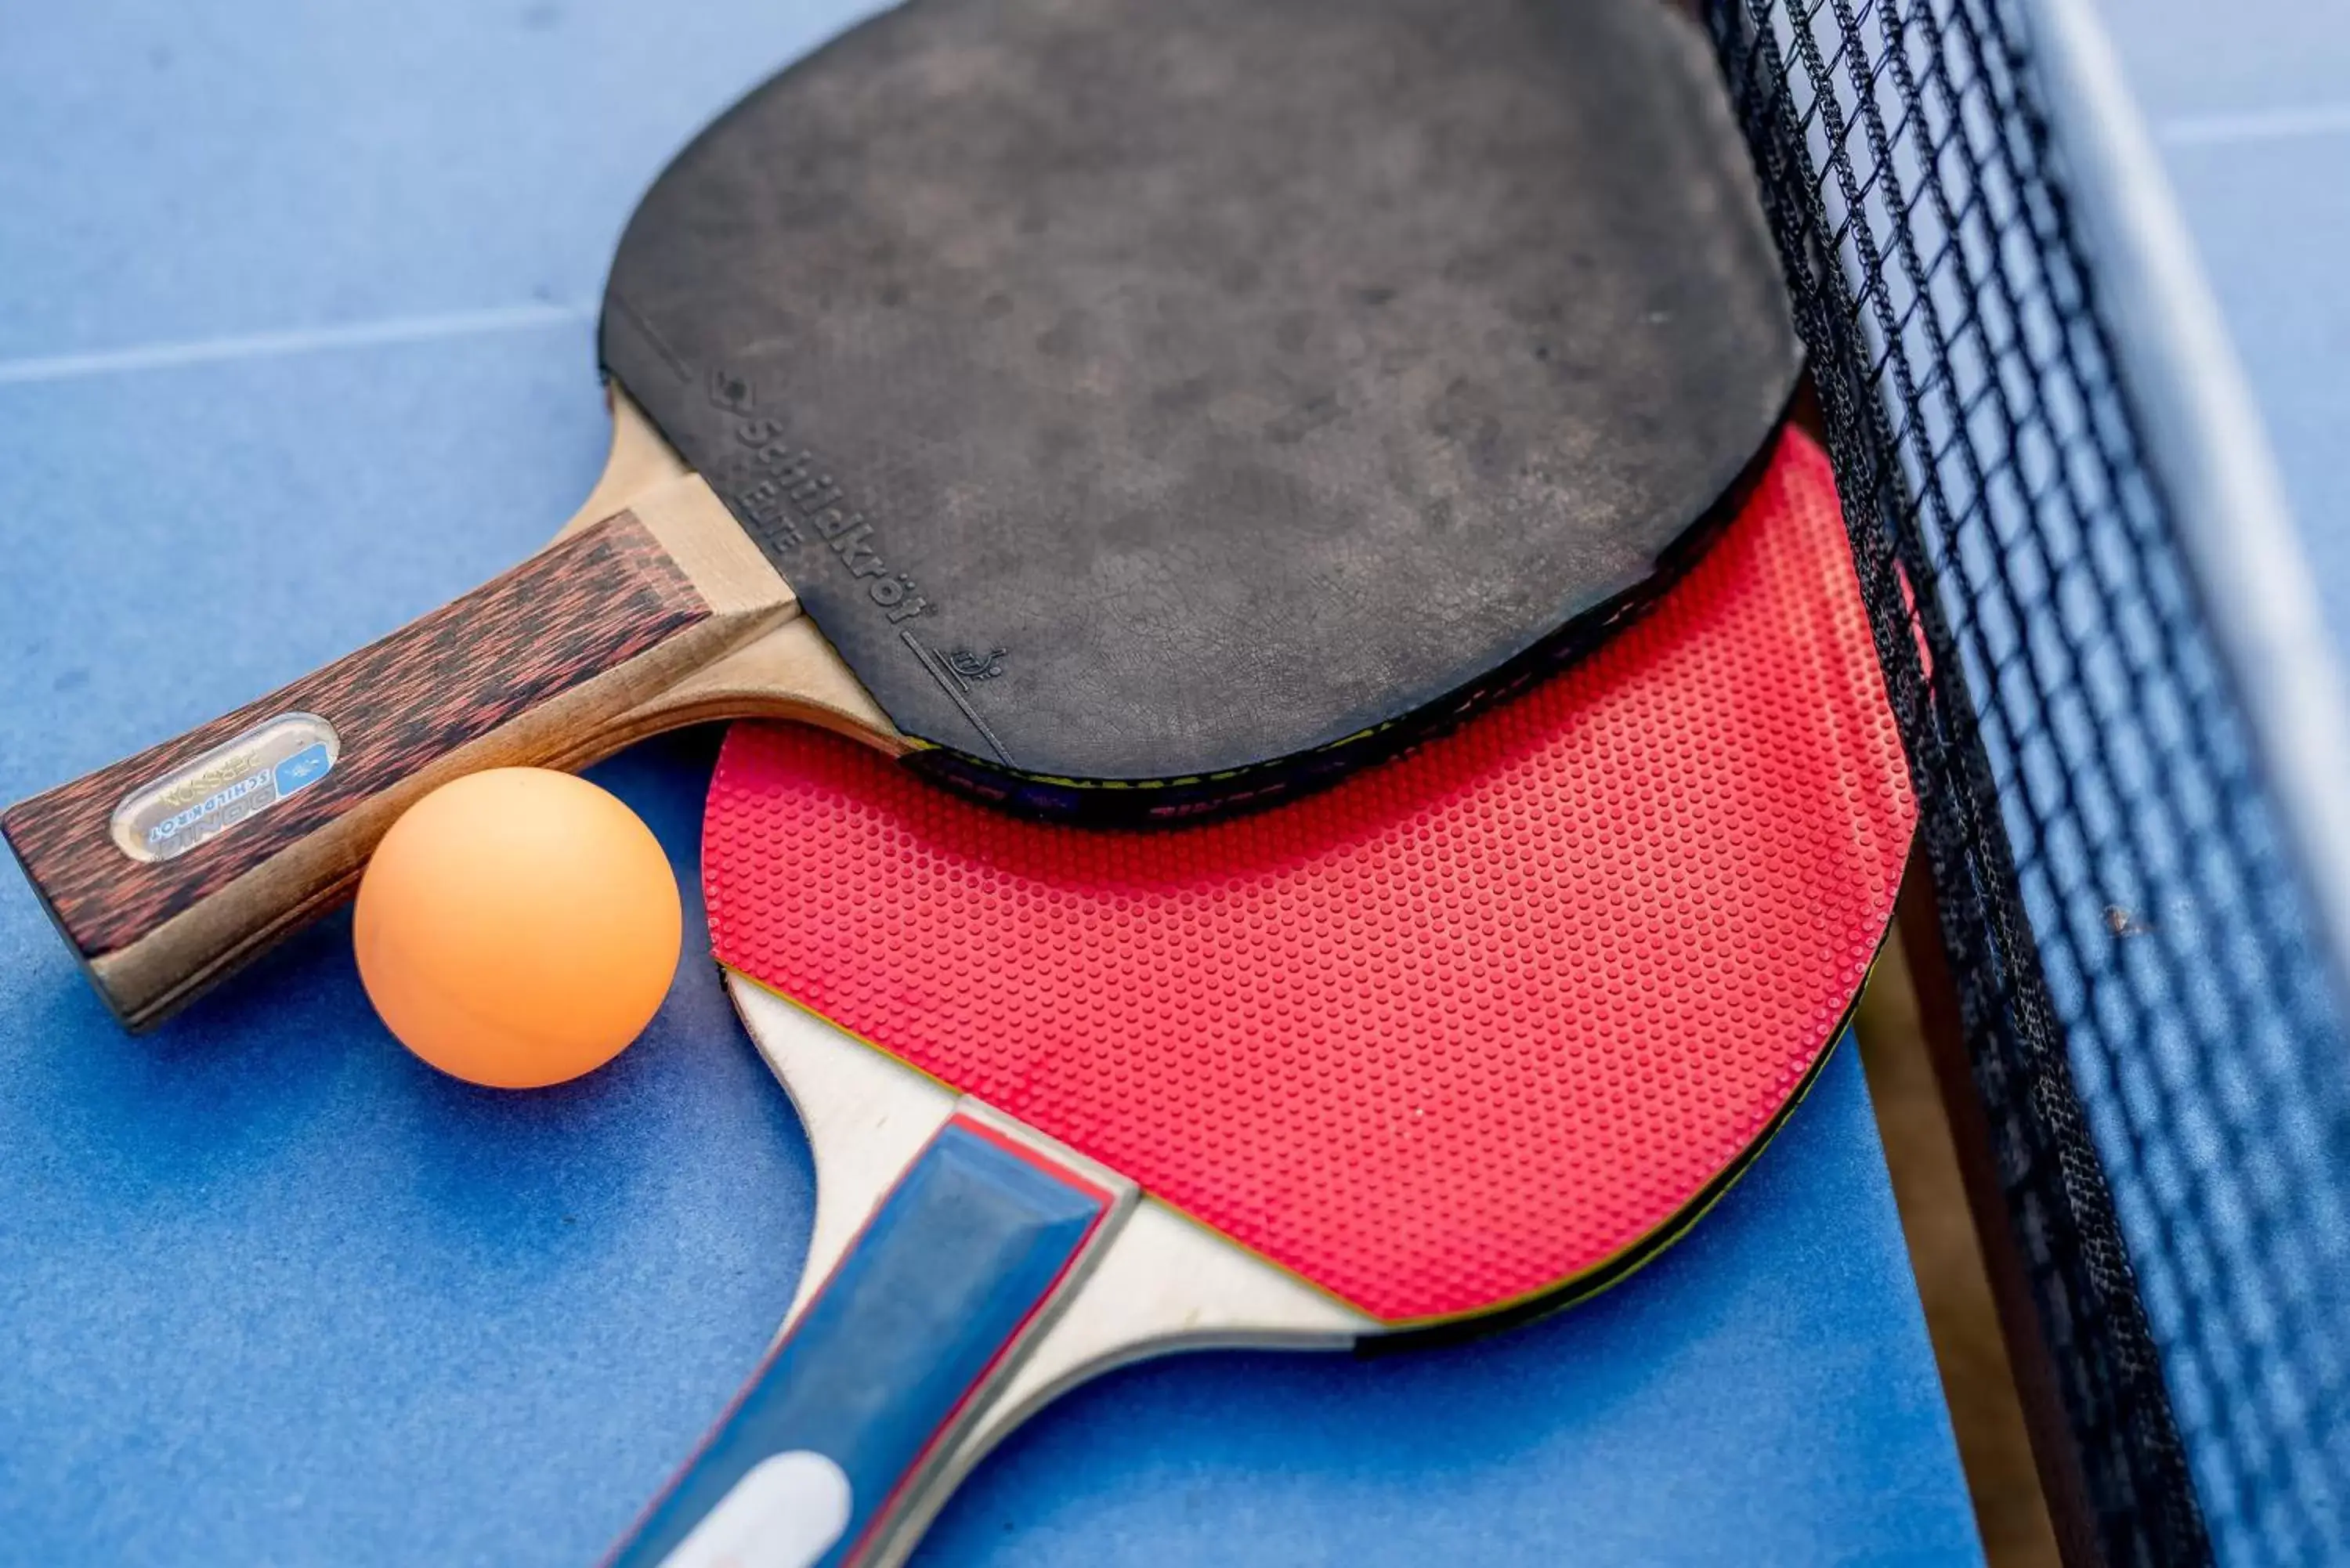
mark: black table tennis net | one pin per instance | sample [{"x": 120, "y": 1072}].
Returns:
[{"x": 2146, "y": 1021}]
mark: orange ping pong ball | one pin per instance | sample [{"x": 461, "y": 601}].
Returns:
[{"x": 517, "y": 928}]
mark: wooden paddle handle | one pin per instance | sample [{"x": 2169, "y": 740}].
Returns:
[
  {"x": 829, "y": 1446},
  {"x": 166, "y": 870}
]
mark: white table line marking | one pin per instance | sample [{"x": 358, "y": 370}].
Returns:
[
  {"x": 299, "y": 340},
  {"x": 2256, "y": 125}
]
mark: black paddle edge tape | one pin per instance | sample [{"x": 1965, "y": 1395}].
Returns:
[
  {"x": 1182, "y": 801},
  {"x": 1583, "y": 1287}
]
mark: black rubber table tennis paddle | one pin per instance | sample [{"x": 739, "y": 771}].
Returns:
[{"x": 1156, "y": 408}]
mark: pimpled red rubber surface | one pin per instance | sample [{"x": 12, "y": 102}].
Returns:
[{"x": 1452, "y": 1033}]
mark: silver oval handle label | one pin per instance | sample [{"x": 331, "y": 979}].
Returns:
[{"x": 234, "y": 782}]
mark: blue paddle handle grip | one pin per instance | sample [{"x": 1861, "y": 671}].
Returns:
[{"x": 809, "y": 1466}]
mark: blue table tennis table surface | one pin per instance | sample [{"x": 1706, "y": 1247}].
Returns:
[
  {"x": 2248, "y": 105},
  {"x": 297, "y": 308}
]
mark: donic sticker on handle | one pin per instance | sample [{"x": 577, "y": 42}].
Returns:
[{"x": 234, "y": 782}]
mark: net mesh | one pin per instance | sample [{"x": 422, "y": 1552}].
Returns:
[{"x": 2161, "y": 1070}]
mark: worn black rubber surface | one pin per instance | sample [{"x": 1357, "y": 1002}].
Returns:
[{"x": 1153, "y": 389}]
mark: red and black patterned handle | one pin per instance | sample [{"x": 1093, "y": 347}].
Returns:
[{"x": 167, "y": 869}]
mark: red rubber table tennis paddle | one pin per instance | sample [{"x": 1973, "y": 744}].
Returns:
[{"x": 1461, "y": 1039}]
